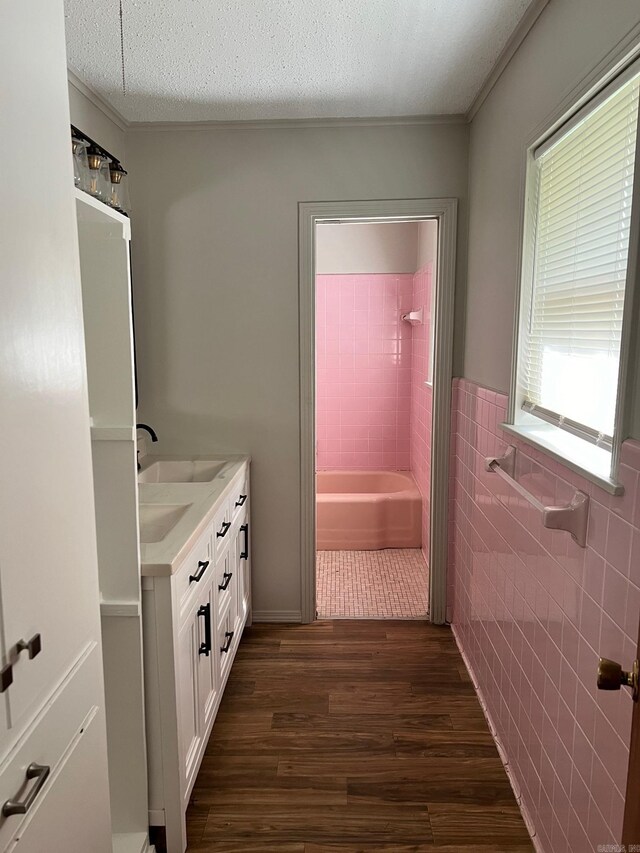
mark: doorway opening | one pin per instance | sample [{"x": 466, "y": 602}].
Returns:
[
  {"x": 374, "y": 298},
  {"x": 371, "y": 522}
]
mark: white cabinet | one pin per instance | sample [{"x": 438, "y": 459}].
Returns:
[
  {"x": 193, "y": 620},
  {"x": 242, "y": 568},
  {"x": 74, "y": 794},
  {"x": 208, "y": 673},
  {"x": 187, "y": 664},
  {"x": 49, "y": 610},
  {"x": 104, "y": 237}
]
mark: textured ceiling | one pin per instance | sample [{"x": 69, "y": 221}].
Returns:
[{"x": 199, "y": 60}]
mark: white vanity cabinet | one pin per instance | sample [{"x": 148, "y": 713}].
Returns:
[{"x": 194, "y": 613}]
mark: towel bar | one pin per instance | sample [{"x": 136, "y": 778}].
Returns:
[{"x": 572, "y": 517}]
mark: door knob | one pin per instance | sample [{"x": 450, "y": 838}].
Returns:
[{"x": 611, "y": 676}]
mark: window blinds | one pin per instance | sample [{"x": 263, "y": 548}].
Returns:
[{"x": 573, "y": 304}]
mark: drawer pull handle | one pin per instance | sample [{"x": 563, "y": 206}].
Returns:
[
  {"x": 225, "y": 529},
  {"x": 202, "y": 568},
  {"x": 205, "y": 610},
  {"x": 6, "y": 677},
  {"x": 34, "y": 771},
  {"x": 228, "y": 636},
  {"x": 33, "y": 646},
  {"x": 226, "y": 581},
  {"x": 244, "y": 554},
  {"x": 241, "y": 500}
]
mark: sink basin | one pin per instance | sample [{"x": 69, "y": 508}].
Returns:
[
  {"x": 156, "y": 520},
  {"x": 185, "y": 471}
]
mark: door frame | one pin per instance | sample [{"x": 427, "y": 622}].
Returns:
[{"x": 310, "y": 214}]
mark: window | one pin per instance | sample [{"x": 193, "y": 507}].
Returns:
[{"x": 577, "y": 224}]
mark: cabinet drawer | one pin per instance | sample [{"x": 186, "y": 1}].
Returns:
[
  {"x": 48, "y": 741},
  {"x": 195, "y": 572},
  {"x": 225, "y": 582},
  {"x": 239, "y": 499},
  {"x": 221, "y": 528},
  {"x": 227, "y": 639},
  {"x": 72, "y": 813}
]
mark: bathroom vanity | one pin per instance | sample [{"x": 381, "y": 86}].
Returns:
[
  {"x": 196, "y": 599},
  {"x": 173, "y": 563}
]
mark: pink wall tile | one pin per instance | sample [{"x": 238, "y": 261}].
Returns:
[
  {"x": 367, "y": 391},
  {"x": 532, "y": 613}
]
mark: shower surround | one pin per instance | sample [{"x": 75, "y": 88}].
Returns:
[
  {"x": 373, "y": 401},
  {"x": 363, "y": 352}
]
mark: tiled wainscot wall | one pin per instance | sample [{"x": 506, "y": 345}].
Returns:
[{"x": 532, "y": 612}]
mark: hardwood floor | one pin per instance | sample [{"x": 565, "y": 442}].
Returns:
[{"x": 352, "y": 736}]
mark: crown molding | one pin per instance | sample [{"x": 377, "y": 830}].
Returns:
[
  {"x": 288, "y": 124},
  {"x": 97, "y": 100},
  {"x": 515, "y": 40},
  {"x": 506, "y": 55}
]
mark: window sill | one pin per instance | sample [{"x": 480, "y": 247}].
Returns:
[{"x": 570, "y": 451}]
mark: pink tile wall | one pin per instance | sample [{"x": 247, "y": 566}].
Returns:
[
  {"x": 363, "y": 357},
  {"x": 421, "y": 397},
  {"x": 532, "y": 611}
]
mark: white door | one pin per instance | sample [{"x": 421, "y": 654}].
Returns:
[{"x": 48, "y": 563}]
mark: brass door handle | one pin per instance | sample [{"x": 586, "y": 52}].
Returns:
[{"x": 611, "y": 676}]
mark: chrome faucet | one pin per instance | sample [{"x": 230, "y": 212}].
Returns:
[{"x": 153, "y": 435}]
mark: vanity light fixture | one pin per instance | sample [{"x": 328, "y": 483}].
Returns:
[
  {"x": 94, "y": 157},
  {"x": 99, "y": 182},
  {"x": 119, "y": 196},
  {"x": 98, "y": 172},
  {"x": 80, "y": 164}
]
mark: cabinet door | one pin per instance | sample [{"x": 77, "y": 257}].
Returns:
[
  {"x": 207, "y": 658},
  {"x": 47, "y": 528},
  {"x": 243, "y": 569},
  {"x": 70, "y": 814},
  {"x": 188, "y": 694}
]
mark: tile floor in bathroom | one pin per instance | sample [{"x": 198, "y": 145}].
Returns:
[{"x": 388, "y": 584}]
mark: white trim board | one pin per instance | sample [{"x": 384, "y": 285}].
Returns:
[
  {"x": 97, "y": 100},
  {"x": 255, "y": 124},
  {"x": 506, "y": 55},
  {"x": 276, "y": 616},
  {"x": 288, "y": 124},
  {"x": 310, "y": 214},
  {"x": 513, "y": 43}
]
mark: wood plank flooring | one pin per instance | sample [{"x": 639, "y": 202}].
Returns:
[{"x": 349, "y": 736}]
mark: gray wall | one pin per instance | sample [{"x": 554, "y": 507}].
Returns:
[
  {"x": 86, "y": 116},
  {"x": 568, "y": 41},
  {"x": 215, "y": 263}
]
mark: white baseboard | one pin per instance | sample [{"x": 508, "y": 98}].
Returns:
[{"x": 276, "y": 616}]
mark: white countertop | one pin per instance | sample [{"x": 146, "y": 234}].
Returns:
[{"x": 161, "y": 559}]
